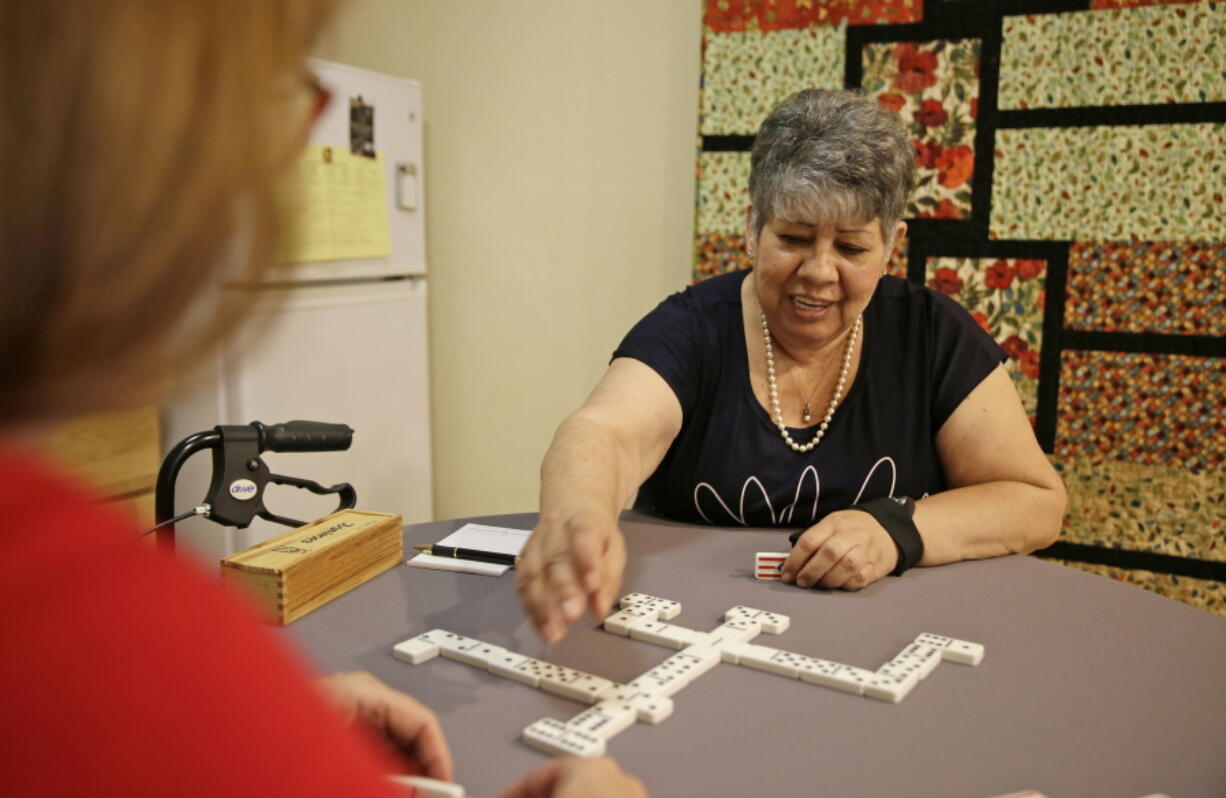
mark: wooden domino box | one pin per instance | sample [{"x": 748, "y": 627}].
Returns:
[{"x": 292, "y": 574}]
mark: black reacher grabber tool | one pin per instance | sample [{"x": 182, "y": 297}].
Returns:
[{"x": 236, "y": 493}]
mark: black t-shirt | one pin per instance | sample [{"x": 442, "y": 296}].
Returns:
[{"x": 922, "y": 355}]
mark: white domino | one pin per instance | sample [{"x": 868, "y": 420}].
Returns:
[
  {"x": 731, "y": 651},
  {"x": 505, "y": 665},
  {"x": 772, "y": 660},
  {"x": 680, "y": 637},
  {"x": 661, "y": 681},
  {"x": 556, "y": 674},
  {"x": 916, "y": 659},
  {"x": 740, "y": 631},
  {"x": 787, "y": 663},
  {"x": 590, "y": 689},
  {"x": 929, "y": 657},
  {"x": 605, "y": 720},
  {"x": 768, "y": 564},
  {"x": 842, "y": 677},
  {"x": 667, "y": 608},
  {"x": 704, "y": 659},
  {"x": 550, "y": 675},
  {"x": 575, "y": 685},
  {"x": 647, "y": 630},
  {"x": 771, "y": 622},
  {"x": 757, "y": 657},
  {"x": 964, "y": 652},
  {"x": 528, "y": 671},
  {"x": 484, "y": 654},
  {"x": 417, "y": 650},
  {"x": 952, "y": 649},
  {"x": 622, "y": 621},
  {"x": 740, "y": 611},
  {"x": 889, "y": 687},
  {"x": 664, "y": 634},
  {"x": 677, "y": 671},
  {"x": 554, "y": 737},
  {"x": 808, "y": 668},
  {"x": 460, "y": 648},
  {"x": 648, "y": 707},
  {"x": 422, "y": 787},
  {"x": 688, "y": 666}
]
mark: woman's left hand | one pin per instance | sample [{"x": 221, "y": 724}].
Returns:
[{"x": 847, "y": 550}]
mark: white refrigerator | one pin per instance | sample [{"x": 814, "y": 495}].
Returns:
[{"x": 347, "y": 342}]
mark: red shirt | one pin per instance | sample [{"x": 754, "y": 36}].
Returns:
[{"x": 125, "y": 671}]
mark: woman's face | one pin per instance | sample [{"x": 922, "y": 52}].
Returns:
[{"x": 814, "y": 279}]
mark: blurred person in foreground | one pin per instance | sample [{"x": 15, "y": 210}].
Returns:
[{"x": 141, "y": 142}]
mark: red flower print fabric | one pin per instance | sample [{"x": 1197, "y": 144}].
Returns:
[{"x": 934, "y": 87}]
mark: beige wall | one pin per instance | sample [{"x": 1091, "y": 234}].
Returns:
[{"x": 560, "y": 148}]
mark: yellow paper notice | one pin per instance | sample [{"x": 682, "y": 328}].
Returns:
[{"x": 334, "y": 207}]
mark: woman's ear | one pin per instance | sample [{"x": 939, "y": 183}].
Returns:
[{"x": 891, "y": 243}]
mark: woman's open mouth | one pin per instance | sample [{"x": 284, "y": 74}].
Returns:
[{"x": 810, "y": 307}]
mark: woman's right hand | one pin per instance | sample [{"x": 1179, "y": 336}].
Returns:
[
  {"x": 571, "y": 777},
  {"x": 600, "y": 456},
  {"x": 569, "y": 565}
]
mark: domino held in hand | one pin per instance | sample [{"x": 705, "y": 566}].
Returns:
[{"x": 768, "y": 564}]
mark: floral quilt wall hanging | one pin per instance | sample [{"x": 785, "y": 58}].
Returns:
[{"x": 1071, "y": 164}]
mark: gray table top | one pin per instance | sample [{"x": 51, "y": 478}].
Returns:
[{"x": 1088, "y": 688}]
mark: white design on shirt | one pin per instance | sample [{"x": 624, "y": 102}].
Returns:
[
  {"x": 785, "y": 513},
  {"x": 873, "y": 470}
]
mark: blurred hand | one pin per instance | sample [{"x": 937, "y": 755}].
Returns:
[
  {"x": 567, "y": 566},
  {"x": 846, "y": 550},
  {"x": 571, "y": 777},
  {"x": 406, "y": 724}
]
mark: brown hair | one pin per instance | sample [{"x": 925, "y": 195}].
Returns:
[{"x": 139, "y": 142}]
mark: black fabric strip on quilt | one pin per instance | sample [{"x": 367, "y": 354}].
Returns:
[{"x": 1136, "y": 560}]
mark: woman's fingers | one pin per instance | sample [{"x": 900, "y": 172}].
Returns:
[
  {"x": 567, "y": 567},
  {"x": 805, "y": 548},
  {"x": 610, "y": 580},
  {"x": 847, "y": 550},
  {"x": 401, "y": 720}
]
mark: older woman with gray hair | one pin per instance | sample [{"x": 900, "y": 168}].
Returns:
[{"x": 812, "y": 391}]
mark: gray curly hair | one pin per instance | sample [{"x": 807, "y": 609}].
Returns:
[{"x": 831, "y": 155}]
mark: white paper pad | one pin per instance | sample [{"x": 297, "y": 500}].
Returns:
[{"x": 503, "y": 540}]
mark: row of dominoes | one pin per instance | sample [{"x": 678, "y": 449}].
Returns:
[
  {"x": 647, "y": 698},
  {"x": 891, "y": 682},
  {"x": 614, "y": 706},
  {"x": 556, "y": 679}
]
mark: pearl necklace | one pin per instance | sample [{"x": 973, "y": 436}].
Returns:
[{"x": 777, "y": 411}]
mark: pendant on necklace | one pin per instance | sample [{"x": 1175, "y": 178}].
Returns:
[{"x": 806, "y": 416}]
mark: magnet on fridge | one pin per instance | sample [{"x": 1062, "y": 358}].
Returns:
[{"x": 406, "y": 186}]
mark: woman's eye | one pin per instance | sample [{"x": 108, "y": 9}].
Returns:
[
  {"x": 850, "y": 250},
  {"x": 796, "y": 241}
]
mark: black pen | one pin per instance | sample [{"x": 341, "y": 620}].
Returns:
[{"x": 469, "y": 554}]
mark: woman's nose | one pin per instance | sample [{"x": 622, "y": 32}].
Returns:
[{"x": 820, "y": 266}]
